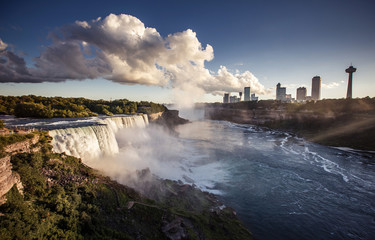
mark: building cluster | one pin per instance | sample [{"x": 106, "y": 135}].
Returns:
[
  {"x": 280, "y": 93},
  {"x": 301, "y": 95},
  {"x": 301, "y": 92},
  {"x": 248, "y": 96}
]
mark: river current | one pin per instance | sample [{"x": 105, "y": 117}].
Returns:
[
  {"x": 281, "y": 186},
  {"x": 284, "y": 187}
]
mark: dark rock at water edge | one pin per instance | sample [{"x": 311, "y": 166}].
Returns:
[{"x": 169, "y": 119}]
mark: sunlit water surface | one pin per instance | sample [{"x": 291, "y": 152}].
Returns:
[{"x": 281, "y": 186}]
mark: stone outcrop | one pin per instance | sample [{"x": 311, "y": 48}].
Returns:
[
  {"x": 21, "y": 147},
  {"x": 154, "y": 116},
  {"x": 7, "y": 177},
  {"x": 168, "y": 118}
]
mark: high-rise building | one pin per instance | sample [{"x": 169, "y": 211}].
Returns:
[
  {"x": 234, "y": 99},
  {"x": 247, "y": 94},
  {"x": 301, "y": 94},
  {"x": 226, "y": 98},
  {"x": 280, "y": 92},
  {"x": 240, "y": 99},
  {"x": 315, "y": 88},
  {"x": 350, "y": 70},
  {"x": 253, "y": 98}
]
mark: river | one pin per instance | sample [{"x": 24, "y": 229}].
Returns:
[{"x": 281, "y": 186}]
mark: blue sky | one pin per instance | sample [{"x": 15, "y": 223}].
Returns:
[{"x": 277, "y": 41}]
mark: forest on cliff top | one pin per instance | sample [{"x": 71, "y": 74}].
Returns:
[{"x": 59, "y": 107}]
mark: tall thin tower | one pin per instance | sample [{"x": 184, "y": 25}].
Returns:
[{"x": 350, "y": 70}]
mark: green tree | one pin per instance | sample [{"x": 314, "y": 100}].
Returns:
[{"x": 36, "y": 110}]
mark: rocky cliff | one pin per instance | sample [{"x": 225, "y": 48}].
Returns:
[
  {"x": 260, "y": 116},
  {"x": 354, "y": 130},
  {"x": 9, "y": 178},
  {"x": 168, "y": 118}
]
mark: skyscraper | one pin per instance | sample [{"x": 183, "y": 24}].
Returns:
[
  {"x": 247, "y": 94},
  {"x": 226, "y": 98},
  {"x": 350, "y": 70},
  {"x": 280, "y": 92},
  {"x": 301, "y": 94},
  {"x": 315, "y": 88},
  {"x": 233, "y": 99}
]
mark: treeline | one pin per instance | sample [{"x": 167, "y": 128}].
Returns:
[
  {"x": 357, "y": 105},
  {"x": 59, "y": 107}
]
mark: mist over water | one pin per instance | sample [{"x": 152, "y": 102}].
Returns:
[{"x": 281, "y": 186}]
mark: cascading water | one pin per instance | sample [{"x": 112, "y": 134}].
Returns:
[{"x": 90, "y": 142}]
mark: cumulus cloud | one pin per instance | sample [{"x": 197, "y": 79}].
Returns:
[
  {"x": 122, "y": 49},
  {"x": 3, "y": 45}
]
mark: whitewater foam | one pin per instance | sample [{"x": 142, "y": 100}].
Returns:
[
  {"x": 328, "y": 165},
  {"x": 91, "y": 142}
]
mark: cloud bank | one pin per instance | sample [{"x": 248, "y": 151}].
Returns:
[{"x": 121, "y": 49}]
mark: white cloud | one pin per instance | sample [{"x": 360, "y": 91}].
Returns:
[
  {"x": 3, "y": 45},
  {"x": 83, "y": 24},
  {"x": 121, "y": 49},
  {"x": 330, "y": 85}
]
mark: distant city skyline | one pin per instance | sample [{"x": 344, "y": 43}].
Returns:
[{"x": 235, "y": 44}]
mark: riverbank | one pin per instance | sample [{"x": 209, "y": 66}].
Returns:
[{"x": 353, "y": 130}]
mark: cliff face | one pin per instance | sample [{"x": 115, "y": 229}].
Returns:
[
  {"x": 154, "y": 116},
  {"x": 7, "y": 177},
  {"x": 168, "y": 118},
  {"x": 355, "y": 130},
  {"x": 21, "y": 147},
  {"x": 259, "y": 116}
]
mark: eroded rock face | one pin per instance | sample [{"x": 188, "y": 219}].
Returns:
[
  {"x": 154, "y": 116},
  {"x": 169, "y": 119},
  {"x": 21, "y": 147},
  {"x": 8, "y": 178}
]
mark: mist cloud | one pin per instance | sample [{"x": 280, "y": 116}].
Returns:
[{"x": 121, "y": 49}]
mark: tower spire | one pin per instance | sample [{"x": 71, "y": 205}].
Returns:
[{"x": 350, "y": 70}]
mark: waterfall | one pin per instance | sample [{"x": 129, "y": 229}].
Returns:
[{"x": 91, "y": 142}]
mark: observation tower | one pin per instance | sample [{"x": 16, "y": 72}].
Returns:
[{"x": 350, "y": 70}]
